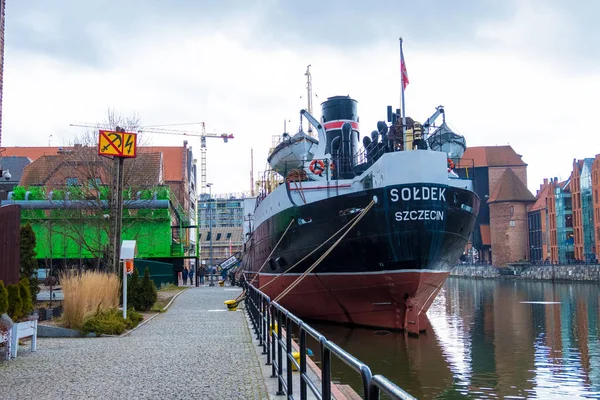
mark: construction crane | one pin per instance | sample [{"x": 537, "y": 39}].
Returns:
[{"x": 203, "y": 135}]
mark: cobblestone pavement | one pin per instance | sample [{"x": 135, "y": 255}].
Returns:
[{"x": 193, "y": 351}]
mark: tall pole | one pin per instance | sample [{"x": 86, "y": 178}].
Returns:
[
  {"x": 402, "y": 85},
  {"x": 212, "y": 275},
  {"x": 309, "y": 95}
]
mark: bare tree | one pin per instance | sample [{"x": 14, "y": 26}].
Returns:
[{"x": 80, "y": 187}]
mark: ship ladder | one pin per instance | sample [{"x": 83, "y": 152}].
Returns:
[{"x": 316, "y": 263}]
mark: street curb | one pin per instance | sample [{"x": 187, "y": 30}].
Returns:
[{"x": 152, "y": 317}]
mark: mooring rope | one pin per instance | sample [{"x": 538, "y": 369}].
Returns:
[
  {"x": 311, "y": 253},
  {"x": 316, "y": 263},
  {"x": 272, "y": 251}
]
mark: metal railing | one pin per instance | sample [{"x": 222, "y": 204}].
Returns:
[{"x": 269, "y": 319}]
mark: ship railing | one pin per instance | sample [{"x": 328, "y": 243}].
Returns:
[{"x": 274, "y": 326}]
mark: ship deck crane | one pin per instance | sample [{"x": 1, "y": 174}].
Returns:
[{"x": 439, "y": 110}]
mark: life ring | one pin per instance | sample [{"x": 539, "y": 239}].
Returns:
[
  {"x": 317, "y": 167},
  {"x": 450, "y": 165}
]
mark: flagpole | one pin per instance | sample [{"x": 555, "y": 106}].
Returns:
[{"x": 402, "y": 65}]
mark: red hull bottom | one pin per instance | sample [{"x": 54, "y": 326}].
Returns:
[{"x": 392, "y": 299}]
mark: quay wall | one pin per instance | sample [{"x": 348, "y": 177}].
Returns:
[{"x": 571, "y": 272}]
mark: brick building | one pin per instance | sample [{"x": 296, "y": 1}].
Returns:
[
  {"x": 489, "y": 166},
  {"x": 2, "y": 21},
  {"x": 538, "y": 221},
  {"x": 508, "y": 204}
]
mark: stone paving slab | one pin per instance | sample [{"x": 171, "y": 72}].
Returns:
[{"x": 193, "y": 351}]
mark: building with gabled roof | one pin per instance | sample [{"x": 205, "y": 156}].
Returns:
[
  {"x": 509, "y": 203},
  {"x": 538, "y": 223},
  {"x": 488, "y": 165}
]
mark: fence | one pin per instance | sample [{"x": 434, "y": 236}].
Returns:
[{"x": 269, "y": 320}]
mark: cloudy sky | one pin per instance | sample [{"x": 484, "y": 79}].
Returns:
[{"x": 518, "y": 72}]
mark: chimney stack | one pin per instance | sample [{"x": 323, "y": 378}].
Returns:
[{"x": 545, "y": 181}]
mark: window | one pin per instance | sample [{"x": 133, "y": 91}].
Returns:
[
  {"x": 208, "y": 237},
  {"x": 72, "y": 181},
  {"x": 512, "y": 210},
  {"x": 512, "y": 222},
  {"x": 228, "y": 235},
  {"x": 218, "y": 237},
  {"x": 92, "y": 183}
]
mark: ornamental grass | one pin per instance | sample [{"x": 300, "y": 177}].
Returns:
[{"x": 87, "y": 293}]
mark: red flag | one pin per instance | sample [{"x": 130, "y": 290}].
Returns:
[{"x": 405, "y": 80}]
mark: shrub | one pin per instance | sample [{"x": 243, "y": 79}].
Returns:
[
  {"x": 107, "y": 322},
  {"x": 133, "y": 318},
  {"x": 27, "y": 305},
  {"x": 87, "y": 293},
  {"x": 3, "y": 299},
  {"x": 133, "y": 290},
  {"x": 148, "y": 291},
  {"x": 111, "y": 322},
  {"x": 29, "y": 264},
  {"x": 15, "y": 304}
]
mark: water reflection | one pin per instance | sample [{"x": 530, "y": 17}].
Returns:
[{"x": 490, "y": 339}]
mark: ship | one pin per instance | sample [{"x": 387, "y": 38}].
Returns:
[{"x": 364, "y": 235}]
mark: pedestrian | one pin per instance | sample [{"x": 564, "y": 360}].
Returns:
[
  {"x": 201, "y": 273},
  {"x": 185, "y": 276},
  {"x": 191, "y": 275}
]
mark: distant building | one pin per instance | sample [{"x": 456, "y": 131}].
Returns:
[
  {"x": 583, "y": 210},
  {"x": 560, "y": 213},
  {"x": 538, "y": 221},
  {"x": 12, "y": 166},
  {"x": 500, "y": 181},
  {"x": 227, "y": 216}
]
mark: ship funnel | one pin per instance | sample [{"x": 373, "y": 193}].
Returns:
[{"x": 337, "y": 111}]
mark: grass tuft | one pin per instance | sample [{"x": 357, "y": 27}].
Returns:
[{"x": 87, "y": 293}]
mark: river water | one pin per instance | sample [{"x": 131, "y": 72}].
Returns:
[{"x": 489, "y": 339}]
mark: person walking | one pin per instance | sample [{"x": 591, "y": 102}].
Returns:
[
  {"x": 191, "y": 275},
  {"x": 185, "y": 276},
  {"x": 201, "y": 273}
]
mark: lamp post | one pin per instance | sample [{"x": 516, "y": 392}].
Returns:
[{"x": 210, "y": 265}]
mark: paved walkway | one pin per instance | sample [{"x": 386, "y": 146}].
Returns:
[{"x": 193, "y": 351}]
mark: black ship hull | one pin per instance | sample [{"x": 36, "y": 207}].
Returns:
[{"x": 401, "y": 251}]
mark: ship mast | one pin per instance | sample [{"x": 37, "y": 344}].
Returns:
[{"x": 309, "y": 96}]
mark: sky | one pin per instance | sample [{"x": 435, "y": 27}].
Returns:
[{"x": 518, "y": 72}]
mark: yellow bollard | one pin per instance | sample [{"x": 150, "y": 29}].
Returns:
[
  {"x": 231, "y": 305},
  {"x": 296, "y": 355}
]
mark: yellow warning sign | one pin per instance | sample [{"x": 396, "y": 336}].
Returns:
[
  {"x": 129, "y": 145},
  {"x": 119, "y": 144}
]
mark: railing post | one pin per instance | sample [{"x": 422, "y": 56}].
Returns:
[
  {"x": 366, "y": 375},
  {"x": 263, "y": 322},
  {"x": 273, "y": 340},
  {"x": 260, "y": 319},
  {"x": 279, "y": 354},
  {"x": 288, "y": 354},
  {"x": 303, "y": 391},
  {"x": 269, "y": 339},
  {"x": 326, "y": 371}
]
